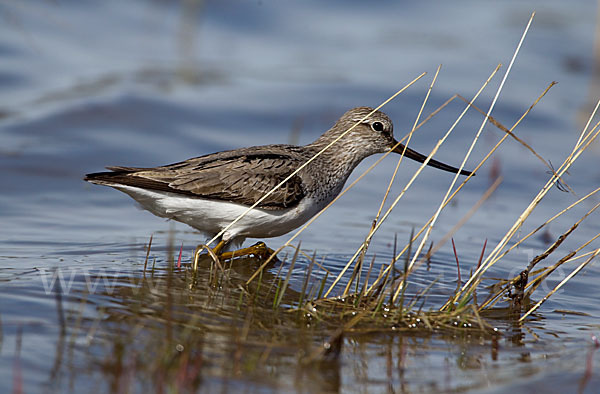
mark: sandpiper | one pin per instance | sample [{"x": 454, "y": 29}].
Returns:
[{"x": 209, "y": 192}]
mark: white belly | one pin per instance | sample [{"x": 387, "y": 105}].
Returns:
[{"x": 212, "y": 216}]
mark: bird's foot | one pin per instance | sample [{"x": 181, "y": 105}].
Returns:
[{"x": 259, "y": 250}]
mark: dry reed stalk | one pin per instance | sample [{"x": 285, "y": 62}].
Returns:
[
  {"x": 463, "y": 220},
  {"x": 458, "y": 225},
  {"x": 520, "y": 241},
  {"x": 387, "y": 192},
  {"x": 557, "y": 176},
  {"x": 485, "y": 120},
  {"x": 212, "y": 255},
  {"x": 566, "y": 259},
  {"x": 561, "y": 284},
  {"x": 487, "y": 156},
  {"x": 559, "y": 240},
  {"x": 499, "y": 125},
  {"x": 367, "y": 240},
  {"x": 410, "y": 182},
  {"x": 583, "y": 143},
  {"x": 544, "y": 273}
]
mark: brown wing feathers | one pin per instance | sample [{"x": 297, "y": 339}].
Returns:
[{"x": 237, "y": 178}]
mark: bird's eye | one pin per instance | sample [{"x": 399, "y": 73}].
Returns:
[{"x": 377, "y": 126}]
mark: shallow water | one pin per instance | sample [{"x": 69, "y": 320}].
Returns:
[{"x": 145, "y": 83}]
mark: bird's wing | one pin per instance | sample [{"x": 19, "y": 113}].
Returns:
[{"x": 242, "y": 176}]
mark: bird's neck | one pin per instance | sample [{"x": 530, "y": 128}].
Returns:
[
  {"x": 341, "y": 157},
  {"x": 347, "y": 147}
]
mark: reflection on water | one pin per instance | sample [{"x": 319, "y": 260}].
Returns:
[{"x": 169, "y": 330}]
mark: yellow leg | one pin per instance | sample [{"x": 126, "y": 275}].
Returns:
[
  {"x": 216, "y": 250},
  {"x": 259, "y": 249}
]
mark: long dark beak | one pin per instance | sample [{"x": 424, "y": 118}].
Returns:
[{"x": 411, "y": 154}]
